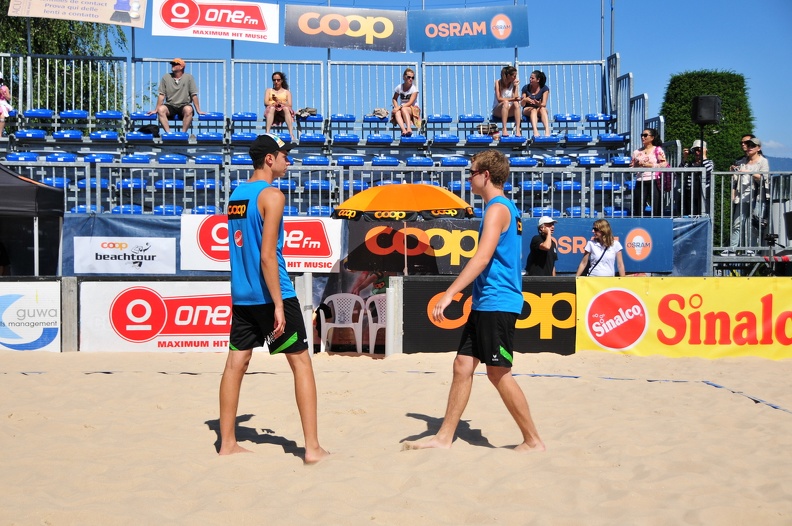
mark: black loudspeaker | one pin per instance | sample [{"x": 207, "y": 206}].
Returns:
[{"x": 706, "y": 109}]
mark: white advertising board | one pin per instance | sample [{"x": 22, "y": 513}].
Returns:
[{"x": 256, "y": 22}]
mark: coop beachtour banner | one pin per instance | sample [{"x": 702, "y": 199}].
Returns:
[
  {"x": 118, "y": 12},
  {"x": 477, "y": 28}
]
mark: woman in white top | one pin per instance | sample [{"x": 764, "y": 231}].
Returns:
[
  {"x": 507, "y": 100},
  {"x": 603, "y": 252},
  {"x": 750, "y": 194},
  {"x": 405, "y": 111}
]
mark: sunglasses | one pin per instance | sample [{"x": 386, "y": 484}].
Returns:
[
  {"x": 595, "y": 229},
  {"x": 409, "y": 77},
  {"x": 646, "y": 135},
  {"x": 474, "y": 173},
  {"x": 277, "y": 80}
]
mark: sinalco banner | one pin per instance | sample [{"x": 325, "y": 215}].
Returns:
[
  {"x": 702, "y": 317},
  {"x": 117, "y": 12},
  {"x": 217, "y": 19},
  {"x": 350, "y": 28},
  {"x": 475, "y": 28}
]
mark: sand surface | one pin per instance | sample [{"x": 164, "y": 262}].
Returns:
[{"x": 130, "y": 438}]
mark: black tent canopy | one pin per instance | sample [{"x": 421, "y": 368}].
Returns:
[{"x": 22, "y": 198}]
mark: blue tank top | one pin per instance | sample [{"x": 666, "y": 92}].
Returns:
[
  {"x": 245, "y": 226},
  {"x": 499, "y": 286}
]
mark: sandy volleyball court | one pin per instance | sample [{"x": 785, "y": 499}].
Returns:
[{"x": 130, "y": 439}]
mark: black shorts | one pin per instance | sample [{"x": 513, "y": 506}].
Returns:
[
  {"x": 175, "y": 110},
  {"x": 252, "y": 325},
  {"x": 489, "y": 336}
]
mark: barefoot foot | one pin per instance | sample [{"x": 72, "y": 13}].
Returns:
[
  {"x": 315, "y": 455},
  {"x": 526, "y": 448},
  {"x": 432, "y": 443},
  {"x": 233, "y": 449}
]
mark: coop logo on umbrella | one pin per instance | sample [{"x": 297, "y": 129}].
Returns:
[
  {"x": 349, "y": 214},
  {"x": 392, "y": 214},
  {"x": 27, "y": 325}
]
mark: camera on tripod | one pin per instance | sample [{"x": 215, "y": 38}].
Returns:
[{"x": 771, "y": 240}]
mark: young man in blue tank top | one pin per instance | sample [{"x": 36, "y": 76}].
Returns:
[
  {"x": 495, "y": 271},
  {"x": 265, "y": 306}
]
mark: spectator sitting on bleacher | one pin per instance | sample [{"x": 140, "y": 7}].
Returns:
[
  {"x": 177, "y": 94},
  {"x": 507, "y": 100},
  {"x": 405, "y": 111},
  {"x": 534, "y": 101},
  {"x": 5, "y": 104},
  {"x": 278, "y": 101}
]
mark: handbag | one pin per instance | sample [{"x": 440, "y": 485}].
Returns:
[{"x": 590, "y": 267}]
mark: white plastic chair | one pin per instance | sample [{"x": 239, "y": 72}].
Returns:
[
  {"x": 380, "y": 304},
  {"x": 347, "y": 312}
]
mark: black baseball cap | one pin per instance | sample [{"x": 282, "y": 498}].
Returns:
[{"x": 265, "y": 144}]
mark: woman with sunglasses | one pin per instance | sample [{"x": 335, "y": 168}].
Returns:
[
  {"x": 278, "y": 101},
  {"x": 648, "y": 185},
  {"x": 405, "y": 111},
  {"x": 750, "y": 197},
  {"x": 602, "y": 253}
]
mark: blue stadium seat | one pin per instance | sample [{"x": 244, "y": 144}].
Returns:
[
  {"x": 168, "y": 210},
  {"x": 479, "y": 138},
  {"x": 127, "y": 209},
  {"x": 67, "y": 135},
  {"x": 350, "y": 160},
  {"x": 557, "y": 161},
  {"x": 539, "y": 211},
  {"x": 568, "y": 185},
  {"x": 578, "y": 211},
  {"x": 545, "y": 140},
  {"x": 175, "y": 136},
  {"x": 236, "y": 182},
  {"x": 205, "y": 209},
  {"x": 99, "y": 158},
  {"x": 22, "y": 156},
  {"x": 478, "y": 212},
  {"x": 379, "y": 138},
  {"x": 243, "y": 137},
  {"x": 590, "y": 160},
  {"x": 523, "y": 162},
  {"x": 61, "y": 157},
  {"x": 317, "y": 185},
  {"x": 108, "y": 124},
  {"x": 384, "y": 160},
  {"x": 209, "y": 137},
  {"x": 312, "y": 138},
  {"x": 241, "y": 159},
  {"x": 513, "y": 139},
  {"x": 445, "y": 139},
  {"x": 205, "y": 184},
  {"x": 453, "y": 161},
  {"x": 606, "y": 186},
  {"x": 57, "y": 182},
  {"x": 346, "y": 138},
  {"x": 131, "y": 184},
  {"x": 31, "y": 134},
  {"x": 320, "y": 211},
  {"x": 356, "y": 186},
  {"x": 169, "y": 184},
  {"x": 577, "y": 138},
  {"x": 610, "y": 138},
  {"x": 172, "y": 158},
  {"x": 85, "y": 209},
  {"x": 290, "y": 210},
  {"x": 456, "y": 186},
  {"x": 136, "y": 158},
  {"x": 610, "y": 211},
  {"x": 416, "y": 139},
  {"x": 316, "y": 160},
  {"x": 534, "y": 186},
  {"x": 285, "y": 185},
  {"x": 208, "y": 158},
  {"x": 416, "y": 160},
  {"x": 620, "y": 161},
  {"x": 93, "y": 182}
]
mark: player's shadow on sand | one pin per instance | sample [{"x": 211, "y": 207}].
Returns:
[
  {"x": 250, "y": 434},
  {"x": 463, "y": 431}
]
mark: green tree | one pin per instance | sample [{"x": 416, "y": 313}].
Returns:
[
  {"x": 59, "y": 37},
  {"x": 723, "y": 140}
]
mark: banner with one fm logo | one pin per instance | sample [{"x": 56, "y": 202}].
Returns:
[
  {"x": 30, "y": 316},
  {"x": 309, "y": 244},
  {"x": 250, "y": 21},
  {"x": 155, "y": 316},
  {"x": 707, "y": 318}
]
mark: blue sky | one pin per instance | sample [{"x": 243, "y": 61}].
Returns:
[{"x": 654, "y": 40}]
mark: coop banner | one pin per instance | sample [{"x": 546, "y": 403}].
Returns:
[
  {"x": 350, "y": 28},
  {"x": 309, "y": 244},
  {"x": 441, "y": 246},
  {"x": 30, "y": 316},
  {"x": 252, "y": 21},
  {"x": 546, "y": 324},
  {"x": 700, "y": 317},
  {"x": 473, "y": 28},
  {"x": 119, "y": 12}
]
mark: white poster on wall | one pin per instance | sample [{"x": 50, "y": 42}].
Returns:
[
  {"x": 30, "y": 316},
  {"x": 124, "y": 255},
  {"x": 309, "y": 244},
  {"x": 155, "y": 316}
]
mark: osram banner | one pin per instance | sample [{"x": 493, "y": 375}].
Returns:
[
  {"x": 119, "y": 12},
  {"x": 471, "y": 28},
  {"x": 30, "y": 316},
  {"x": 546, "y": 324},
  {"x": 226, "y": 19},
  {"x": 648, "y": 243},
  {"x": 701, "y": 317},
  {"x": 309, "y": 245},
  {"x": 441, "y": 246},
  {"x": 155, "y": 316},
  {"x": 124, "y": 255},
  {"x": 350, "y": 28}
]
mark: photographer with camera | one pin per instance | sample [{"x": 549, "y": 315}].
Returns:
[{"x": 278, "y": 100}]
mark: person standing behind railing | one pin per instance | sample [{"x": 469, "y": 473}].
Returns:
[
  {"x": 507, "y": 100},
  {"x": 648, "y": 185},
  {"x": 693, "y": 194},
  {"x": 750, "y": 194},
  {"x": 5, "y": 104}
]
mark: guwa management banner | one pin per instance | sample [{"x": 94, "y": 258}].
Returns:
[
  {"x": 476, "y": 28},
  {"x": 345, "y": 28}
]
